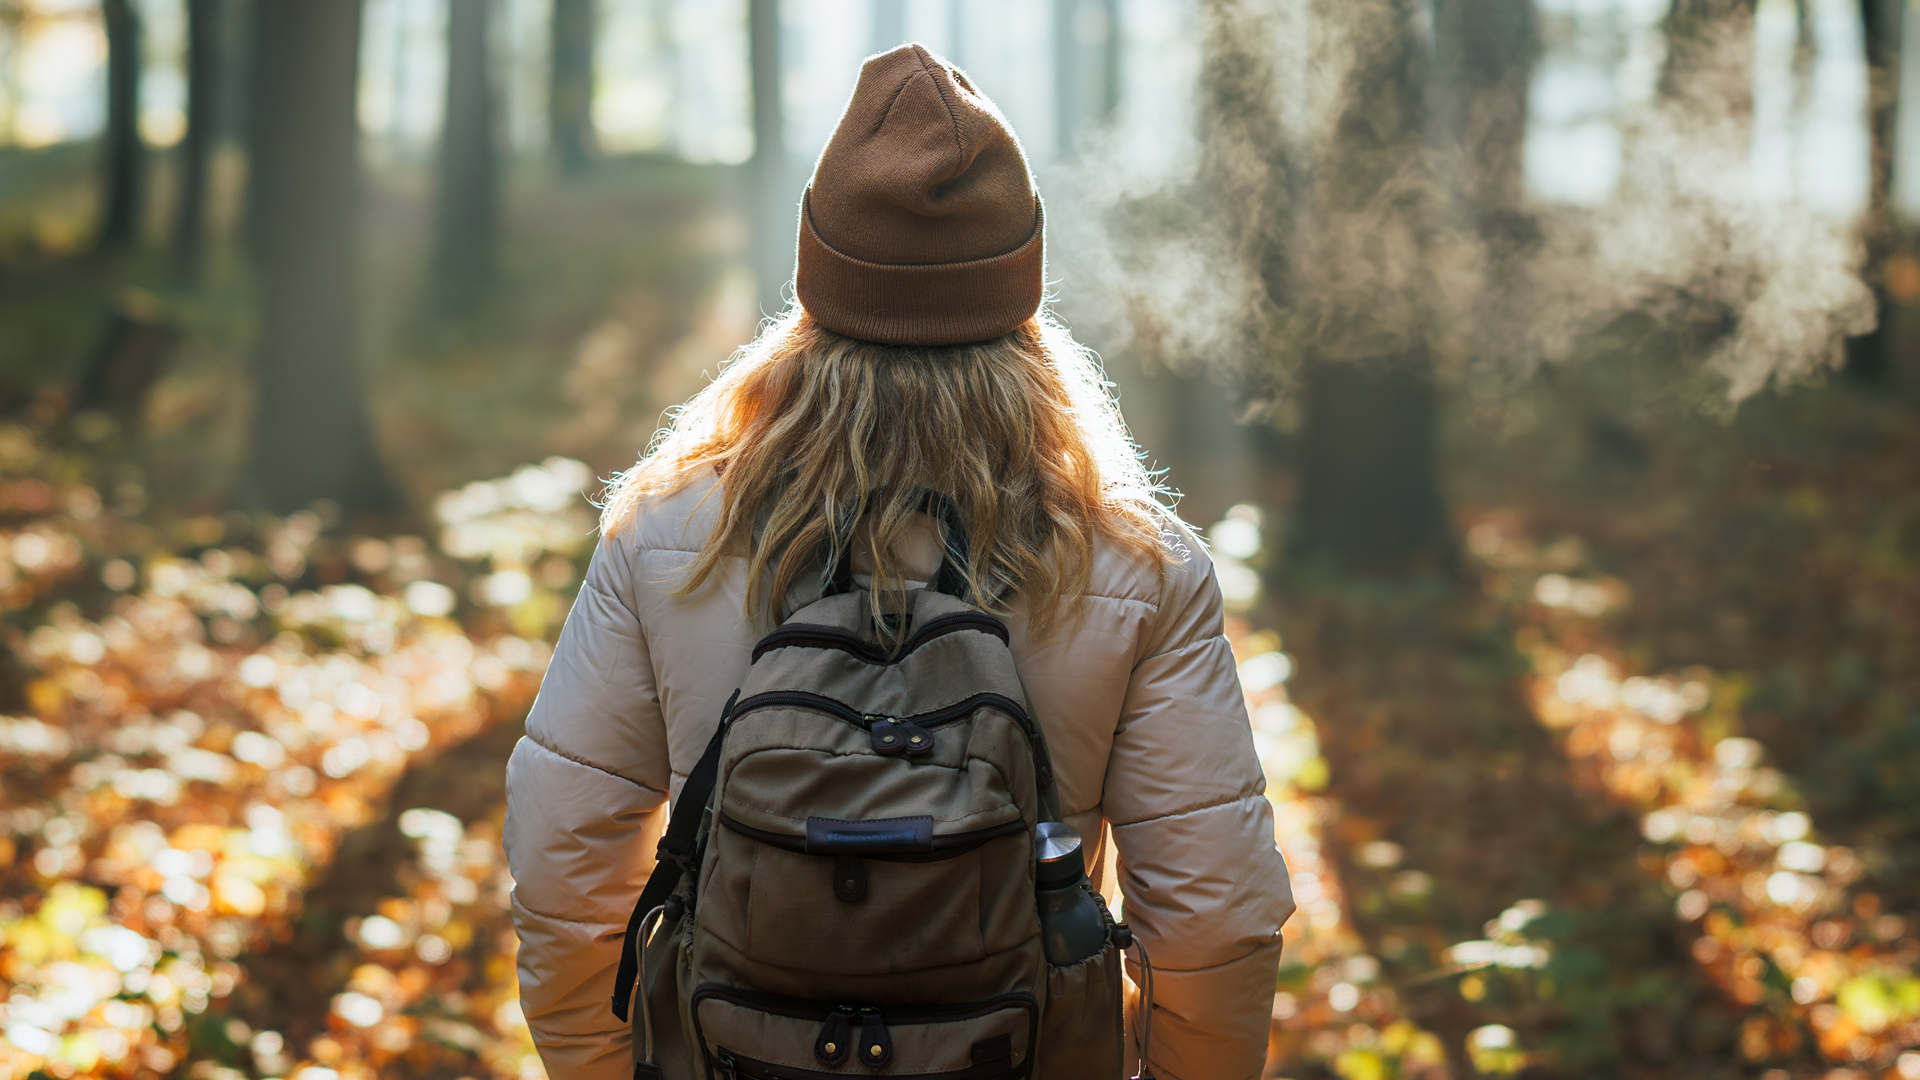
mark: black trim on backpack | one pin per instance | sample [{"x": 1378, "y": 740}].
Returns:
[
  {"x": 959, "y": 710},
  {"x": 806, "y": 636}
]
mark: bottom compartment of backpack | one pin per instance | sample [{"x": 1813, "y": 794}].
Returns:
[{"x": 746, "y": 1035}]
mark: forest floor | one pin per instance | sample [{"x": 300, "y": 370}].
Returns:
[
  {"x": 1636, "y": 792},
  {"x": 1673, "y": 706}
]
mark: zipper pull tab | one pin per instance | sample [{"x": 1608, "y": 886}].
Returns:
[
  {"x": 729, "y": 1066},
  {"x": 887, "y": 737},
  {"x": 876, "y": 1046},
  {"x": 891, "y": 737},
  {"x": 836, "y": 1037},
  {"x": 919, "y": 739}
]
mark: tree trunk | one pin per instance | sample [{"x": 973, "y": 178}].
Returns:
[
  {"x": 312, "y": 436},
  {"x": 1244, "y": 148},
  {"x": 1370, "y": 494},
  {"x": 570, "y": 84},
  {"x": 1209, "y": 453},
  {"x": 243, "y": 112},
  {"x": 1868, "y": 357},
  {"x": 1484, "y": 63},
  {"x": 1710, "y": 72},
  {"x": 771, "y": 214},
  {"x": 889, "y": 24},
  {"x": 123, "y": 154},
  {"x": 205, "y": 33},
  {"x": 1369, "y": 489},
  {"x": 1483, "y": 68},
  {"x": 1246, "y": 176},
  {"x": 466, "y": 216}
]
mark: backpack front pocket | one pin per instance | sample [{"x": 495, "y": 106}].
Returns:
[
  {"x": 855, "y": 904},
  {"x": 754, "y": 1036}
]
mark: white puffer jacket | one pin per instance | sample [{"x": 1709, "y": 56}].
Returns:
[{"x": 1143, "y": 718}]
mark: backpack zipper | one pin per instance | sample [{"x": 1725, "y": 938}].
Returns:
[
  {"x": 944, "y": 846},
  {"x": 959, "y": 710},
  {"x": 806, "y": 635}
]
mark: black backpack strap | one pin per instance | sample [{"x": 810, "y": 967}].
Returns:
[
  {"x": 951, "y": 578},
  {"x": 1044, "y": 787},
  {"x": 674, "y": 859}
]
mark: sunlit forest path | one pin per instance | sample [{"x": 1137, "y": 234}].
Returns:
[
  {"x": 1694, "y": 831},
  {"x": 1542, "y": 814},
  {"x": 1631, "y": 790}
]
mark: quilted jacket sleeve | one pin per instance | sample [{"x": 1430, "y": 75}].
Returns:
[
  {"x": 581, "y": 787},
  {"x": 1204, "y": 886}
]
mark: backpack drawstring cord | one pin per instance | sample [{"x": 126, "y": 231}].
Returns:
[
  {"x": 656, "y": 917},
  {"x": 1146, "y": 1009}
]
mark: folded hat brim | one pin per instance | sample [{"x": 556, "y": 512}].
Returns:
[{"x": 925, "y": 305}]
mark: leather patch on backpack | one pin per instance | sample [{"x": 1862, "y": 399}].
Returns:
[{"x": 880, "y": 836}]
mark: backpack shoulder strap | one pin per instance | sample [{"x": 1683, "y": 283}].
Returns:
[
  {"x": 674, "y": 859},
  {"x": 1044, "y": 786}
]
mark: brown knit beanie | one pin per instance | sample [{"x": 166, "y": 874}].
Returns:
[{"x": 921, "y": 225}]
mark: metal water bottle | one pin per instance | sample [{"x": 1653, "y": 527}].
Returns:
[{"x": 1072, "y": 926}]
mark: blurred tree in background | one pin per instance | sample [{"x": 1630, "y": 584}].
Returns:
[
  {"x": 1369, "y": 488},
  {"x": 206, "y": 72},
  {"x": 570, "y": 83},
  {"x": 466, "y": 223},
  {"x": 1880, "y": 21},
  {"x": 771, "y": 201},
  {"x": 312, "y": 434},
  {"x": 123, "y": 157}
]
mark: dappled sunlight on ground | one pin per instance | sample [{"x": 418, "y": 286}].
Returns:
[
  {"x": 213, "y": 711},
  {"x": 195, "y": 754},
  {"x": 1784, "y": 923}
]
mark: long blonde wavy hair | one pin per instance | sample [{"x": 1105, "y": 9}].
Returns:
[{"x": 808, "y": 429}]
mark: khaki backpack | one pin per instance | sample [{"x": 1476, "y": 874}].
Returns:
[{"x": 846, "y": 887}]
